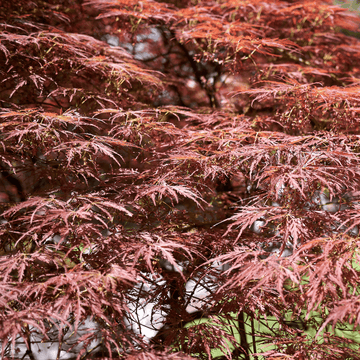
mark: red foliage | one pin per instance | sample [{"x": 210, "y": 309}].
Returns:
[{"x": 164, "y": 162}]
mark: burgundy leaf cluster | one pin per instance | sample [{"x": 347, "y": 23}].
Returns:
[{"x": 179, "y": 180}]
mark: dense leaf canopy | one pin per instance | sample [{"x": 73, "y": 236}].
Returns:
[{"x": 178, "y": 177}]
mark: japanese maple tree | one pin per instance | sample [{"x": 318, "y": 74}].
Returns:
[{"x": 179, "y": 177}]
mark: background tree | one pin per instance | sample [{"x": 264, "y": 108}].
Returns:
[{"x": 170, "y": 161}]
